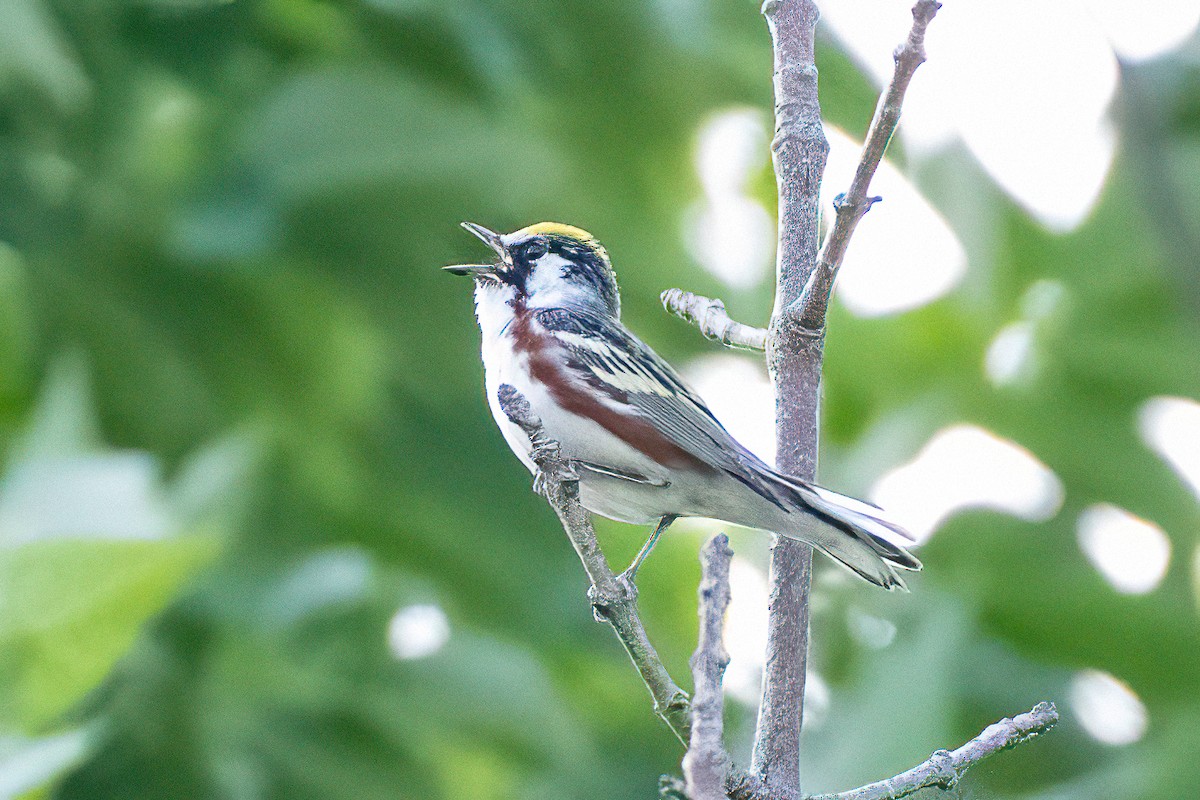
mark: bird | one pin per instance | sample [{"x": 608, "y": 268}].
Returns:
[{"x": 646, "y": 447}]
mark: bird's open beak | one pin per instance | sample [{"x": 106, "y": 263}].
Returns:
[
  {"x": 471, "y": 269},
  {"x": 492, "y": 240}
]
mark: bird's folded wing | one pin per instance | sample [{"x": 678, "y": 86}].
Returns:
[{"x": 631, "y": 375}]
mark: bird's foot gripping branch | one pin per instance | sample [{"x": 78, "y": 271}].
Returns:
[{"x": 614, "y": 601}]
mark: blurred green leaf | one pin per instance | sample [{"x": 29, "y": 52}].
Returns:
[
  {"x": 70, "y": 609},
  {"x": 299, "y": 142},
  {"x": 16, "y": 334},
  {"x": 34, "y": 50}
]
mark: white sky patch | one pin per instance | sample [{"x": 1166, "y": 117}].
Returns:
[
  {"x": 1158, "y": 27},
  {"x": 1032, "y": 103},
  {"x": 728, "y": 232},
  {"x": 739, "y": 392},
  {"x": 904, "y": 254},
  {"x": 965, "y": 467},
  {"x": 1131, "y": 553},
  {"x": 1029, "y": 101},
  {"x": 418, "y": 631},
  {"x": 732, "y": 144},
  {"x": 869, "y": 630},
  {"x": 108, "y": 496},
  {"x": 745, "y": 631},
  {"x": 1170, "y": 426},
  {"x": 28, "y": 764},
  {"x": 817, "y": 700},
  {"x": 1042, "y": 299},
  {"x": 1012, "y": 356},
  {"x": 1009, "y": 356},
  {"x": 1107, "y": 708}
]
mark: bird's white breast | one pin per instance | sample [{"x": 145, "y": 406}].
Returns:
[
  {"x": 502, "y": 364},
  {"x": 581, "y": 438}
]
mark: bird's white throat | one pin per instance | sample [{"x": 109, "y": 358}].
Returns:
[{"x": 493, "y": 308}]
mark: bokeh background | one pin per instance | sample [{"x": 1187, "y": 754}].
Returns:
[{"x": 258, "y": 535}]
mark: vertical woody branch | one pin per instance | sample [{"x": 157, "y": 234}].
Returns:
[
  {"x": 706, "y": 764},
  {"x": 799, "y": 152}
]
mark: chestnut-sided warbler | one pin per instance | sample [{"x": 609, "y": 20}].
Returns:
[{"x": 644, "y": 444}]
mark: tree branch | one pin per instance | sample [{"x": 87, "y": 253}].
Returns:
[
  {"x": 795, "y": 349},
  {"x": 614, "y": 599},
  {"x": 852, "y": 206},
  {"x": 706, "y": 762},
  {"x": 799, "y": 151},
  {"x": 795, "y": 342},
  {"x": 709, "y": 315},
  {"x": 945, "y": 769}
]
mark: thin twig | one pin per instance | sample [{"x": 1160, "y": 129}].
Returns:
[
  {"x": 614, "y": 599},
  {"x": 706, "y": 762},
  {"x": 709, "y": 315},
  {"x": 851, "y": 207},
  {"x": 944, "y": 769}
]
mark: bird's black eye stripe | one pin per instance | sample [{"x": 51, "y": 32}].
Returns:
[{"x": 536, "y": 248}]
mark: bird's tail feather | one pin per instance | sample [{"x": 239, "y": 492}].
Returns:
[{"x": 855, "y": 533}]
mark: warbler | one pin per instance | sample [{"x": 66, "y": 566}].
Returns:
[{"x": 645, "y": 446}]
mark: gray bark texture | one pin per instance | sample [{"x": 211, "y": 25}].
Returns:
[
  {"x": 706, "y": 763},
  {"x": 799, "y": 152},
  {"x": 708, "y": 314}
]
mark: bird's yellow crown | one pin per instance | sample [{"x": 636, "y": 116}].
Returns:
[
  {"x": 568, "y": 231},
  {"x": 556, "y": 229}
]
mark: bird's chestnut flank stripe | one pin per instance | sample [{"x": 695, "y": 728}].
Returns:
[{"x": 548, "y": 370}]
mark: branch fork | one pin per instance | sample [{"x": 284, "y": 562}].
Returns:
[{"x": 604, "y": 601}]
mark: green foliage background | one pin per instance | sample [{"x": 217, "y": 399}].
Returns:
[{"x": 220, "y": 224}]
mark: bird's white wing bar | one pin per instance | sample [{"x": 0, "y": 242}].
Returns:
[{"x": 612, "y": 365}]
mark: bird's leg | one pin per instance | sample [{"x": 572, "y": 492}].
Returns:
[{"x": 663, "y": 524}]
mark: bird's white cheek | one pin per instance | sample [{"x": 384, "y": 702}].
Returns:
[{"x": 546, "y": 286}]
